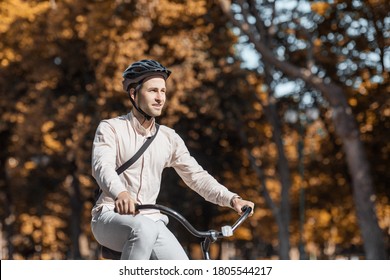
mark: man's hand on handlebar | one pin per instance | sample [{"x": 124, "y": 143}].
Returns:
[
  {"x": 238, "y": 203},
  {"x": 125, "y": 204}
]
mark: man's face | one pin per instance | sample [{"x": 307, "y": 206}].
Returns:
[{"x": 151, "y": 96}]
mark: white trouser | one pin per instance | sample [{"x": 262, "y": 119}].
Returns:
[{"x": 137, "y": 237}]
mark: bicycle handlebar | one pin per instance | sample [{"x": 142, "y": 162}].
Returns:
[
  {"x": 211, "y": 233},
  {"x": 209, "y": 236}
]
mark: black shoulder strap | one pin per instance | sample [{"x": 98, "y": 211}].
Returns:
[
  {"x": 133, "y": 159},
  {"x": 128, "y": 163}
]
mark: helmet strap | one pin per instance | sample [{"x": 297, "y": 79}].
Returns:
[{"x": 146, "y": 116}]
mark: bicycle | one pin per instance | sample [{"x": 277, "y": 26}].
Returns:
[{"x": 209, "y": 236}]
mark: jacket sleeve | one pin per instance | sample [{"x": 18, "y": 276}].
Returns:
[
  {"x": 196, "y": 177},
  {"x": 104, "y": 153}
]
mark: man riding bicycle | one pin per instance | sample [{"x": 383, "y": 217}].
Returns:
[{"x": 115, "y": 223}]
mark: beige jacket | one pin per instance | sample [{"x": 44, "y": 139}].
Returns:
[{"x": 118, "y": 139}]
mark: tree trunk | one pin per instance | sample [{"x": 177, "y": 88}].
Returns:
[
  {"x": 284, "y": 173},
  {"x": 73, "y": 187},
  {"x": 8, "y": 215},
  {"x": 363, "y": 190}
]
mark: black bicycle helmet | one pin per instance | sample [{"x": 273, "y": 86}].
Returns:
[{"x": 138, "y": 71}]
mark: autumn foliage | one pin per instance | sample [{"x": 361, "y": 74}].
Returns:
[{"x": 61, "y": 65}]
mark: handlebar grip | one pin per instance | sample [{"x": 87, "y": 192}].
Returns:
[
  {"x": 136, "y": 208},
  {"x": 246, "y": 211}
]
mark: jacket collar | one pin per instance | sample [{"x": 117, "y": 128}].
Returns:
[{"x": 139, "y": 128}]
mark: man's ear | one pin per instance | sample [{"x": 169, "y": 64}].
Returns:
[{"x": 132, "y": 93}]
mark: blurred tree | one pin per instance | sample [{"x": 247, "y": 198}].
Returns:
[
  {"x": 61, "y": 65},
  {"x": 302, "y": 41}
]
